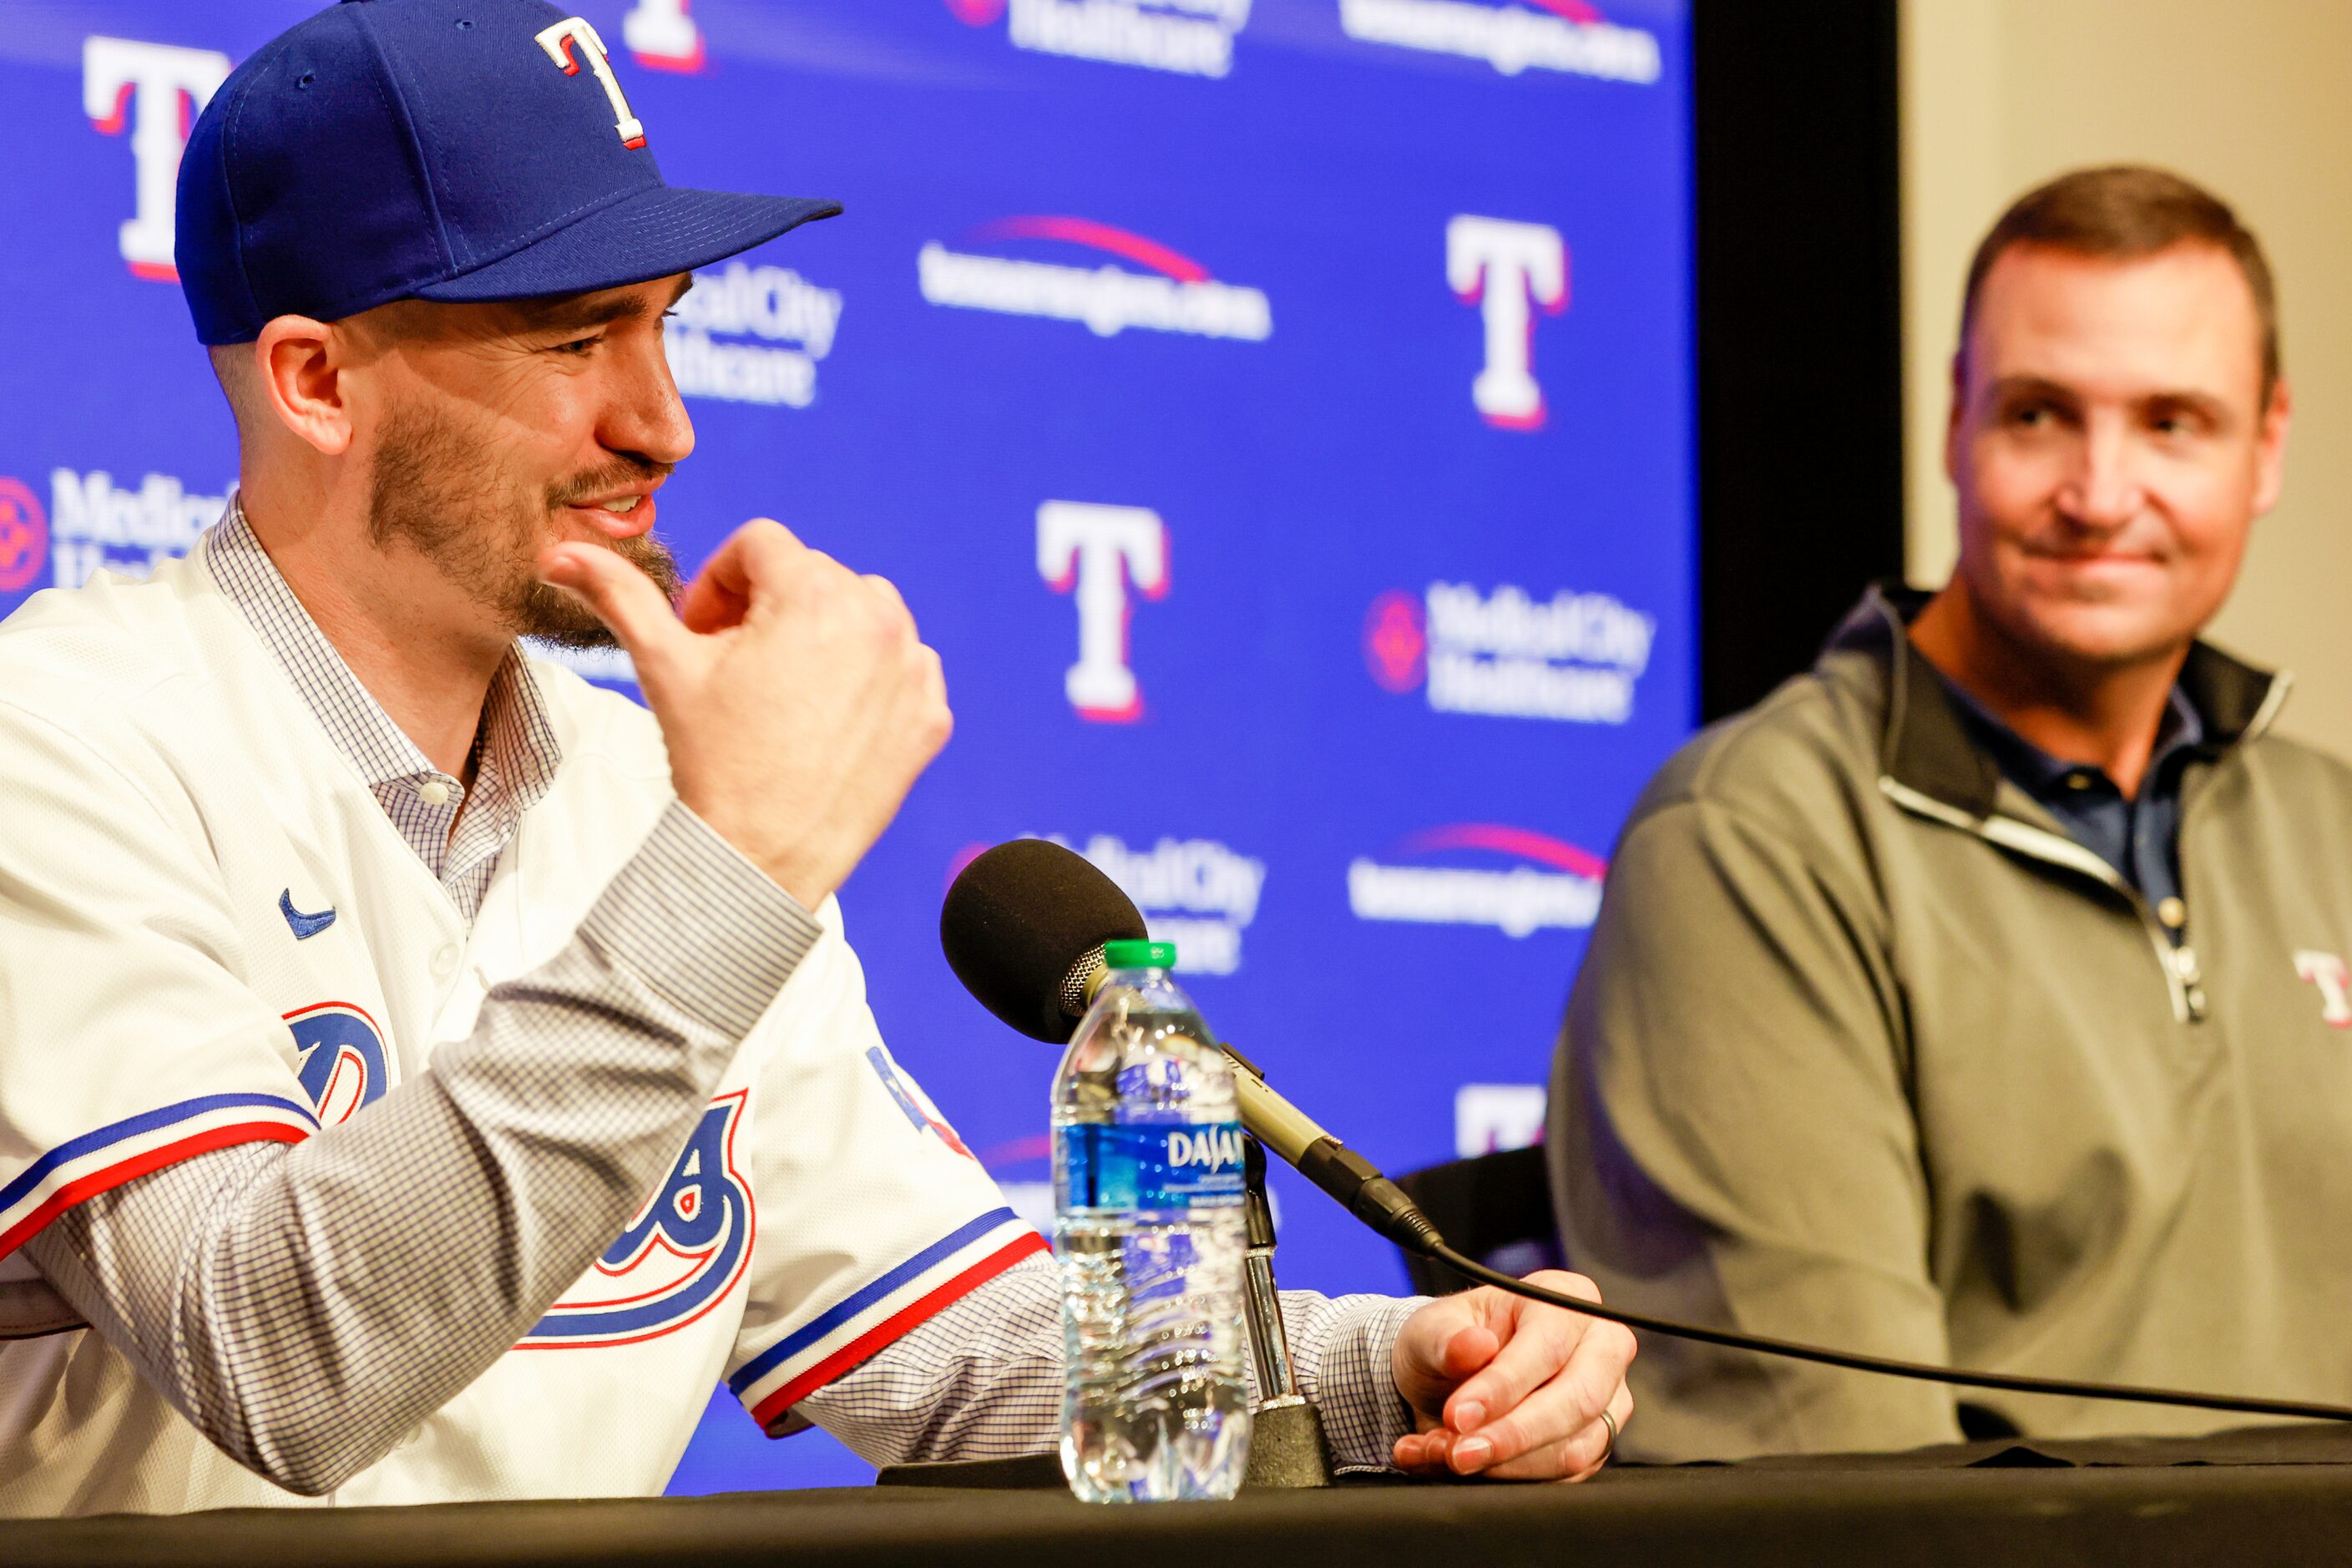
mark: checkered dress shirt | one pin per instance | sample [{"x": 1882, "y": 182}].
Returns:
[{"x": 515, "y": 749}]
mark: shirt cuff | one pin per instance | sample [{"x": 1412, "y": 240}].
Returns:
[
  {"x": 699, "y": 923},
  {"x": 1353, "y": 1382}
]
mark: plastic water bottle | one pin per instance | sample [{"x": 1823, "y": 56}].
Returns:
[{"x": 1148, "y": 1229}]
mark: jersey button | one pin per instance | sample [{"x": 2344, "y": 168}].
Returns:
[
  {"x": 2172, "y": 913},
  {"x": 433, "y": 791},
  {"x": 445, "y": 960}
]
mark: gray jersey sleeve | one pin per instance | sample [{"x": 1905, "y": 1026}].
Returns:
[
  {"x": 305, "y": 1307},
  {"x": 982, "y": 1379}
]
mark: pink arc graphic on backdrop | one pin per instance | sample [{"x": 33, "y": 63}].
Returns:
[
  {"x": 1019, "y": 1151},
  {"x": 1574, "y": 10},
  {"x": 976, "y": 12},
  {"x": 1098, "y": 236},
  {"x": 965, "y": 856},
  {"x": 1523, "y": 842}
]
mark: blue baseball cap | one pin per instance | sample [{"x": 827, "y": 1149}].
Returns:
[{"x": 448, "y": 150}]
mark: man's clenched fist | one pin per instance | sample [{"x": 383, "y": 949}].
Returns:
[{"x": 798, "y": 703}]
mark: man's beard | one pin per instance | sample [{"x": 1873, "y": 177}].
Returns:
[{"x": 437, "y": 486}]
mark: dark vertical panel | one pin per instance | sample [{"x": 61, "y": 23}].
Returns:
[{"x": 1800, "y": 330}]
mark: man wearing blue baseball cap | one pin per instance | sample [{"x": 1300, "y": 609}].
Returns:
[{"x": 362, "y": 980}]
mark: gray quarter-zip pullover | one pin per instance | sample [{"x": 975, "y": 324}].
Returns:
[{"x": 1866, "y": 1050}]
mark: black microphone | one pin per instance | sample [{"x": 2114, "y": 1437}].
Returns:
[{"x": 1023, "y": 927}]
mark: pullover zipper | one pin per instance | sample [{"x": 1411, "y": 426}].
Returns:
[{"x": 2183, "y": 982}]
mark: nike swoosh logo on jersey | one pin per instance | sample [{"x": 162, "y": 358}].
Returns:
[{"x": 303, "y": 926}]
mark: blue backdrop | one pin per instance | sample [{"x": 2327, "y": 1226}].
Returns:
[{"x": 1278, "y": 413}]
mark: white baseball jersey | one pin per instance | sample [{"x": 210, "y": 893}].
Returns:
[{"x": 233, "y": 942}]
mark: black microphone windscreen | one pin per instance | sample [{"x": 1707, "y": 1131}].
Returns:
[{"x": 1019, "y": 918}]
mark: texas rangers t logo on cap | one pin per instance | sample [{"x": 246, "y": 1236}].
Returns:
[
  {"x": 557, "y": 41},
  {"x": 441, "y": 150}
]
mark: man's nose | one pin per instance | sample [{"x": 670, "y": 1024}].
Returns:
[
  {"x": 646, "y": 414},
  {"x": 2104, "y": 489}
]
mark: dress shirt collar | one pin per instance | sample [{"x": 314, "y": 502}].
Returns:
[{"x": 516, "y": 751}]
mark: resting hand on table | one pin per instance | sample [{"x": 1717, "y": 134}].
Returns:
[{"x": 1507, "y": 1387}]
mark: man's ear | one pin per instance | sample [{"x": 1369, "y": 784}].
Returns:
[
  {"x": 2269, "y": 447},
  {"x": 1952, "y": 414},
  {"x": 301, "y": 365}
]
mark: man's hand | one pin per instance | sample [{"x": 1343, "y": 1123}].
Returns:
[
  {"x": 1507, "y": 1387},
  {"x": 798, "y": 703}
]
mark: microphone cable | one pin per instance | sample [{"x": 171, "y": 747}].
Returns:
[{"x": 2007, "y": 1383}]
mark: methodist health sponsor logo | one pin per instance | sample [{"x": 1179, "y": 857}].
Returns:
[
  {"x": 96, "y": 524},
  {"x": 1511, "y": 879},
  {"x": 1196, "y": 892},
  {"x": 1173, "y": 294},
  {"x": 1541, "y": 35},
  {"x": 24, "y": 537},
  {"x": 1576, "y": 658},
  {"x": 1190, "y": 38},
  {"x": 743, "y": 302}
]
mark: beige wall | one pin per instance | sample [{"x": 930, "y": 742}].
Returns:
[{"x": 2248, "y": 97}]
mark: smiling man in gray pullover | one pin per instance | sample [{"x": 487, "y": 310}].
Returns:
[{"x": 1980, "y": 997}]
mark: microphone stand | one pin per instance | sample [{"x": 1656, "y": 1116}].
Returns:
[{"x": 1286, "y": 1445}]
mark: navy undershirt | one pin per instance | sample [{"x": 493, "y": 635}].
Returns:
[{"x": 2138, "y": 836}]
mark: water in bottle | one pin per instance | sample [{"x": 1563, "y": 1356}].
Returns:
[{"x": 1148, "y": 1229}]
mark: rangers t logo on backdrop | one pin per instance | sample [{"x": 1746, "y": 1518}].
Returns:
[
  {"x": 2329, "y": 972},
  {"x": 157, "y": 90},
  {"x": 661, "y": 36},
  {"x": 1094, "y": 554},
  {"x": 1498, "y": 266}
]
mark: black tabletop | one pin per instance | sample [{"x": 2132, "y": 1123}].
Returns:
[{"x": 2265, "y": 1495}]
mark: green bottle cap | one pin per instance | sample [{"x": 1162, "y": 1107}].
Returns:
[{"x": 1128, "y": 953}]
